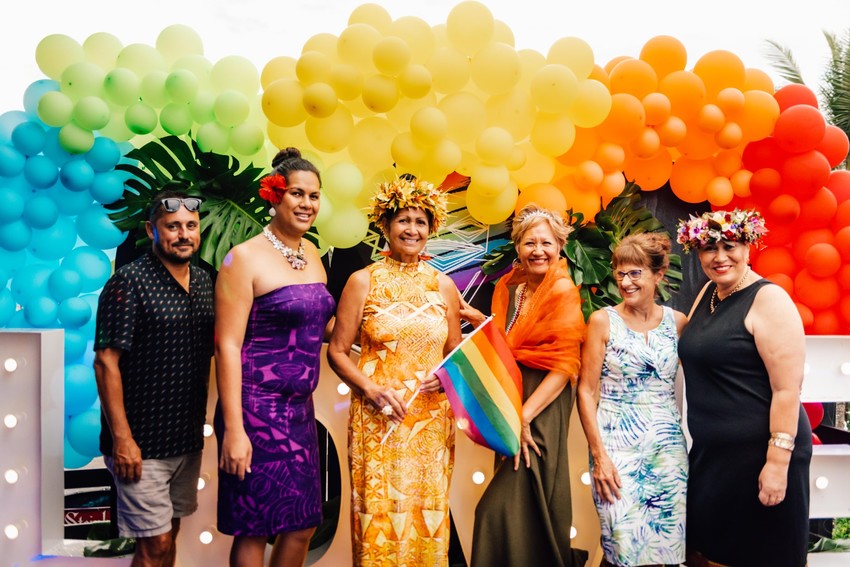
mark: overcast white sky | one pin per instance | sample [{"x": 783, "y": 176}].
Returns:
[{"x": 263, "y": 29}]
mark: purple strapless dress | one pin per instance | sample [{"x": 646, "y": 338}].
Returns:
[{"x": 280, "y": 371}]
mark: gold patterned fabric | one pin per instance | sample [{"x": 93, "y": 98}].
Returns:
[{"x": 400, "y": 489}]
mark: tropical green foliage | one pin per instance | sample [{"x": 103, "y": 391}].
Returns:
[
  {"x": 589, "y": 247},
  {"x": 231, "y": 211}
]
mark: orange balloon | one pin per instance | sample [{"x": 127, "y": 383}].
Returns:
[
  {"x": 588, "y": 175},
  {"x": 690, "y": 177},
  {"x": 599, "y": 74},
  {"x": 686, "y": 92},
  {"x": 634, "y": 77},
  {"x": 614, "y": 62},
  {"x": 741, "y": 182},
  {"x": 816, "y": 293},
  {"x": 784, "y": 209},
  {"x": 583, "y": 148},
  {"x": 672, "y": 131},
  {"x": 720, "y": 69},
  {"x": 666, "y": 54},
  {"x": 697, "y": 144},
  {"x": 806, "y": 315},
  {"x": 730, "y": 100},
  {"x": 657, "y": 107},
  {"x": 807, "y": 239},
  {"x": 543, "y": 195},
  {"x": 730, "y": 136},
  {"x": 646, "y": 144},
  {"x": 649, "y": 174},
  {"x": 822, "y": 260},
  {"x": 719, "y": 191},
  {"x": 726, "y": 162},
  {"x": 839, "y": 184},
  {"x": 710, "y": 118},
  {"x": 818, "y": 211},
  {"x": 758, "y": 116},
  {"x": 625, "y": 121},
  {"x": 782, "y": 280},
  {"x": 610, "y": 156},
  {"x": 612, "y": 185},
  {"x": 775, "y": 259},
  {"x": 758, "y": 80}
]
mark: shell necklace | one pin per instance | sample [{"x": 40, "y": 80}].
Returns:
[
  {"x": 298, "y": 260},
  {"x": 714, "y": 297}
]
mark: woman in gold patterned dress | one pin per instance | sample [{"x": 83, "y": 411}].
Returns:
[{"x": 401, "y": 429}]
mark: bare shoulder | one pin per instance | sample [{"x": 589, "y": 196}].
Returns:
[
  {"x": 358, "y": 282},
  {"x": 771, "y": 298},
  {"x": 598, "y": 322},
  {"x": 680, "y": 318}
]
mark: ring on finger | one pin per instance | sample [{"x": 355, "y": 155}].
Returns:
[{"x": 387, "y": 410}]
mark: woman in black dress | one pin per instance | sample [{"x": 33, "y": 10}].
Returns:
[{"x": 743, "y": 354}]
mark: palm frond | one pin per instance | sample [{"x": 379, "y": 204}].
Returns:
[{"x": 783, "y": 61}]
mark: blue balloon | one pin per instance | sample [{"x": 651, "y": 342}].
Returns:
[
  {"x": 95, "y": 229},
  {"x": 7, "y": 306},
  {"x": 34, "y": 93},
  {"x": 10, "y": 263},
  {"x": 30, "y": 281},
  {"x": 29, "y": 138},
  {"x": 54, "y": 150},
  {"x": 84, "y": 433},
  {"x": 64, "y": 283},
  {"x": 69, "y": 203},
  {"x": 54, "y": 242},
  {"x": 11, "y": 204},
  {"x": 40, "y": 172},
  {"x": 104, "y": 154},
  {"x": 72, "y": 459},
  {"x": 11, "y": 161},
  {"x": 15, "y": 235},
  {"x": 74, "y": 312},
  {"x": 77, "y": 175},
  {"x": 93, "y": 265},
  {"x": 8, "y": 121},
  {"x": 41, "y": 212},
  {"x": 107, "y": 187},
  {"x": 80, "y": 388},
  {"x": 41, "y": 312},
  {"x": 76, "y": 344},
  {"x": 92, "y": 299}
]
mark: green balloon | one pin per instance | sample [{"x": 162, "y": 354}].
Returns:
[
  {"x": 56, "y": 52},
  {"x": 82, "y": 79},
  {"x": 122, "y": 86},
  {"x": 55, "y": 108},
  {"x": 181, "y": 85},
  {"x": 140, "y": 118},
  {"x": 231, "y": 108},
  {"x": 213, "y": 137},
  {"x": 74, "y": 139},
  {"x": 247, "y": 138},
  {"x": 91, "y": 113},
  {"x": 176, "y": 119},
  {"x": 202, "y": 107},
  {"x": 153, "y": 89},
  {"x": 102, "y": 48}
]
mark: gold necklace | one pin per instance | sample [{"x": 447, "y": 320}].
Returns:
[
  {"x": 736, "y": 288},
  {"x": 298, "y": 260}
]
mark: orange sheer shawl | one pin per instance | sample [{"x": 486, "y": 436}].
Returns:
[{"x": 549, "y": 335}]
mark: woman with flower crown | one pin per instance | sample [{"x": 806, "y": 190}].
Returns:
[
  {"x": 743, "y": 353},
  {"x": 524, "y": 516},
  {"x": 404, "y": 315},
  {"x": 272, "y": 308}
]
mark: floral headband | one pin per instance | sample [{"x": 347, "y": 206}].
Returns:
[
  {"x": 745, "y": 226},
  {"x": 403, "y": 193},
  {"x": 272, "y": 188}
]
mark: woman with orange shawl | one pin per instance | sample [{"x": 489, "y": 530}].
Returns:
[{"x": 525, "y": 514}]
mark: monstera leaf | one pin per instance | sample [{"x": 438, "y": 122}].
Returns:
[
  {"x": 231, "y": 212},
  {"x": 589, "y": 247}
]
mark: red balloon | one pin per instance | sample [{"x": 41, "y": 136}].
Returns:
[
  {"x": 784, "y": 209},
  {"x": 763, "y": 153},
  {"x": 842, "y": 216},
  {"x": 818, "y": 211},
  {"x": 816, "y": 293},
  {"x": 844, "y": 309},
  {"x": 806, "y": 315},
  {"x": 780, "y": 235},
  {"x": 842, "y": 243},
  {"x": 826, "y": 323},
  {"x": 803, "y": 174},
  {"x": 815, "y": 412},
  {"x": 834, "y": 145},
  {"x": 795, "y": 93},
  {"x": 822, "y": 260},
  {"x": 784, "y": 281},
  {"x": 765, "y": 184},
  {"x": 799, "y": 129},
  {"x": 775, "y": 259},
  {"x": 816, "y": 440},
  {"x": 843, "y": 279},
  {"x": 807, "y": 239},
  {"x": 839, "y": 184}
]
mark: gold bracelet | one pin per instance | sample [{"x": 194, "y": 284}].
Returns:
[
  {"x": 782, "y": 441},
  {"x": 782, "y": 435}
]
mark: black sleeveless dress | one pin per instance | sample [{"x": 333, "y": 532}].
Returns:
[{"x": 728, "y": 395}]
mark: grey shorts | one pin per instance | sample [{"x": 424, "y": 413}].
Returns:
[{"x": 167, "y": 489}]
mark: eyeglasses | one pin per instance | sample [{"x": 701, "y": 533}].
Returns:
[
  {"x": 172, "y": 204},
  {"x": 632, "y": 274}
]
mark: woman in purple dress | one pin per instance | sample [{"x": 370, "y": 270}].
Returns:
[{"x": 272, "y": 308}]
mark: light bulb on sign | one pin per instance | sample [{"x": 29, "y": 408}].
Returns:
[
  {"x": 845, "y": 368},
  {"x": 585, "y": 478},
  {"x": 478, "y": 477},
  {"x": 10, "y": 420},
  {"x": 11, "y": 476},
  {"x": 12, "y": 531},
  {"x": 821, "y": 482},
  {"x": 343, "y": 389},
  {"x": 208, "y": 430},
  {"x": 10, "y": 364},
  {"x": 573, "y": 532},
  {"x": 206, "y": 537}
]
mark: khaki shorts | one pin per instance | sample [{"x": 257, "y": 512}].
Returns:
[{"x": 167, "y": 489}]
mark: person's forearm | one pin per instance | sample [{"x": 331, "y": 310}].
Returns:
[
  {"x": 549, "y": 389},
  {"x": 587, "y": 416},
  {"x": 111, "y": 393},
  {"x": 229, "y": 384}
]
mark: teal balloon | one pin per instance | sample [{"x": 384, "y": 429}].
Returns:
[
  {"x": 40, "y": 212},
  {"x": 76, "y": 344},
  {"x": 10, "y": 263},
  {"x": 12, "y": 204},
  {"x": 92, "y": 299},
  {"x": 15, "y": 235},
  {"x": 107, "y": 187},
  {"x": 7, "y": 306},
  {"x": 35, "y": 91},
  {"x": 53, "y": 148},
  {"x": 64, "y": 283},
  {"x": 83, "y": 433},
  {"x": 29, "y": 138},
  {"x": 55, "y": 242},
  {"x": 93, "y": 265},
  {"x": 70, "y": 203},
  {"x": 41, "y": 312},
  {"x": 11, "y": 161},
  {"x": 74, "y": 312},
  {"x": 71, "y": 459},
  {"x": 77, "y": 175},
  {"x": 40, "y": 171},
  {"x": 18, "y": 321},
  {"x": 104, "y": 155},
  {"x": 95, "y": 229},
  {"x": 80, "y": 388},
  {"x": 8, "y": 121}
]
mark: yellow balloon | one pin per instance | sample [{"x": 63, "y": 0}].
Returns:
[
  {"x": 517, "y": 159},
  {"x": 400, "y": 115},
  {"x": 55, "y": 108},
  {"x": 418, "y": 35},
  {"x": 538, "y": 167},
  {"x": 178, "y": 40},
  {"x": 346, "y": 80},
  {"x": 494, "y": 209},
  {"x": 449, "y": 69},
  {"x": 330, "y": 134},
  {"x": 380, "y": 93},
  {"x": 356, "y": 44},
  {"x": 466, "y": 115},
  {"x": 320, "y": 100},
  {"x": 530, "y": 63},
  {"x": 326, "y": 210},
  {"x": 757, "y": 80},
  {"x": 553, "y": 88},
  {"x": 496, "y": 68},
  {"x": 346, "y": 228},
  {"x": 371, "y": 140},
  {"x": 82, "y": 79},
  {"x": 514, "y": 111},
  {"x": 102, "y": 49},
  {"x": 406, "y": 154},
  {"x": 313, "y": 67},
  {"x": 552, "y": 134},
  {"x": 391, "y": 55},
  {"x": 326, "y": 43},
  {"x": 415, "y": 81},
  {"x": 591, "y": 104},
  {"x": 197, "y": 64},
  {"x": 281, "y": 67},
  {"x": 342, "y": 182},
  {"x": 494, "y": 145},
  {"x": 371, "y": 14},
  {"x": 56, "y": 52},
  {"x": 469, "y": 26},
  {"x": 282, "y": 102},
  {"x": 237, "y": 73},
  {"x": 444, "y": 158},
  {"x": 502, "y": 33},
  {"x": 284, "y": 137},
  {"x": 428, "y": 126},
  {"x": 489, "y": 180},
  {"x": 573, "y": 53}
]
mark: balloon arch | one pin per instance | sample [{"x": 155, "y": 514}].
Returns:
[{"x": 559, "y": 128}]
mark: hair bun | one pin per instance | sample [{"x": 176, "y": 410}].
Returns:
[{"x": 285, "y": 154}]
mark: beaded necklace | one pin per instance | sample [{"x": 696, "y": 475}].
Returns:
[
  {"x": 297, "y": 260},
  {"x": 520, "y": 299},
  {"x": 737, "y": 287}
]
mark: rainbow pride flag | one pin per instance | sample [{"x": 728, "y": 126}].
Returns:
[{"x": 484, "y": 387}]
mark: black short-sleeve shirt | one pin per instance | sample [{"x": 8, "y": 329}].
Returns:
[{"x": 166, "y": 336}]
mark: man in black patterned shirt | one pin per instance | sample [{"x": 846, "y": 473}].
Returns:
[{"x": 153, "y": 346}]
